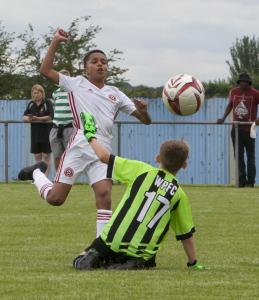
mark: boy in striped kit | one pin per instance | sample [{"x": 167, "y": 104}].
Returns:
[
  {"x": 62, "y": 123},
  {"x": 86, "y": 93},
  {"x": 152, "y": 202}
]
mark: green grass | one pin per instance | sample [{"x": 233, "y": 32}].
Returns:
[{"x": 38, "y": 243}]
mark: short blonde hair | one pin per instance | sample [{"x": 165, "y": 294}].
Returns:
[
  {"x": 173, "y": 154},
  {"x": 39, "y": 88}
]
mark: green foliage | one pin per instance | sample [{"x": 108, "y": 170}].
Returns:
[
  {"x": 29, "y": 57},
  {"x": 115, "y": 74},
  {"x": 39, "y": 242},
  {"x": 245, "y": 58},
  {"x": 19, "y": 71},
  {"x": 141, "y": 91},
  {"x": 18, "y": 86},
  {"x": 19, "y": 68},
  {"x": 217, "y": 88},
  {"x": 7, "y": 62},
  {"x": 70, "y": 55}
]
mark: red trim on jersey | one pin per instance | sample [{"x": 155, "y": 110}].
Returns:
[
  {"x": 73, "y": 109},
  {"x": 72, "y": 137}
]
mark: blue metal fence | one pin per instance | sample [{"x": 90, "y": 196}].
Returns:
[
  {"x": 18, "y": 138},
  {"x": 209, "y": 157},
  {"x": 209, "y": 161}
]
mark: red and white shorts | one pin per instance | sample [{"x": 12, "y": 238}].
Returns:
[{"x": 79, "y": 159}]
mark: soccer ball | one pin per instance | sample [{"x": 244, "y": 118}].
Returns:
[{"x": 183, "y": 94}]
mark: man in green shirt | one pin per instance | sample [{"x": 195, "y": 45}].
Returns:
[
  {"x": 151, "y": 203},
  {"x": 62, "y": 123}
]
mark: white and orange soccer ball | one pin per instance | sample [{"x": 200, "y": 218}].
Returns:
[{"x": 183, "y": 94}]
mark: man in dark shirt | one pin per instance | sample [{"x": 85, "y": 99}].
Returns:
[{"x": 243, "y": 101}]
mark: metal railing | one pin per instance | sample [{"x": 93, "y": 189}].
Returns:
[{"x": 119, "y": 123}]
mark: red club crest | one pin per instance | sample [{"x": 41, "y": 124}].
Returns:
[
  {"x": 69, "y": 172},
  {"x": 112, "y": 97}
]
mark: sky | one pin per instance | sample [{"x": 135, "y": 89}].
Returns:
[{"x": 159, "y": 39}]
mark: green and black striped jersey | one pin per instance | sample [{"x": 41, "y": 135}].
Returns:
[
  {"x": 62, "y": 111},
  {"x": 151, "y": 203}
]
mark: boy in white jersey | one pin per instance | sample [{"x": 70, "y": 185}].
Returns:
[{"x": 104, "y": 102}]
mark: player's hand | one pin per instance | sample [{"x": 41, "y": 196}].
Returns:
[
  {"x": 61, "y": 35},
  {"x": 220, "y": 121},
  {"x": 195, "y": 266},
  {"x": 89, "y": 125},
  {"x": 141, "y": 105}
]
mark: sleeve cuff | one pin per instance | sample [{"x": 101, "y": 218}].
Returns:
[
  {"x": 186, "y": 235},
  {"x": 110, "y": 166}
]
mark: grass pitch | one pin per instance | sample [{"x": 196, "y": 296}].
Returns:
[{"x": 38, "y": 243}]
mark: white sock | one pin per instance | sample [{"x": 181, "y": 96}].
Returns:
[
  {"x": 43, "y": 184},
  {"x": 103, "y": 217}
]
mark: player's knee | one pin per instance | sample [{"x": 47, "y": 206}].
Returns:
[
  {"x": 55, "y": 200},
  {"x": 103, "y": 199},
  {"x": 105, "y": 193}
]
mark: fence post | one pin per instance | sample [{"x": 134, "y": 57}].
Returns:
[
  {"x": 6, "y": 151},
  {"x": 236, "y": 126},
  {"x": 119, "y": 138}
]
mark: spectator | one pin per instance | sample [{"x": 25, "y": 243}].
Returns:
[
  {"x": 39, "y": 113},
  {"x": 62, "y": 123},
  {"x": 243, "y": 101}
]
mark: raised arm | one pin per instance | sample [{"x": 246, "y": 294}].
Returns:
[
  {"x": 46, "y": 68},
  {"x": 141, "y": 112}
]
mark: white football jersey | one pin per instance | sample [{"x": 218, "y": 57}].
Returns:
[{"x": 104, "y": 104}]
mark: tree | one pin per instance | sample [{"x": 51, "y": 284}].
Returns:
[
  {"x": 244, "y": 53},
  {"x": 115, "y": 74},
  {"x": 6, "y": 60},
  {"x": 19, "y": 68},
  {"x": 69, "y": 55},
  {"x": 29, "y": 57},
  {"x": 216, "y": 88},
  {"x": 142, "y": 91}
]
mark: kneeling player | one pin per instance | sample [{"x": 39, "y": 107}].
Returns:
[{"x": 152, "y": 202}]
